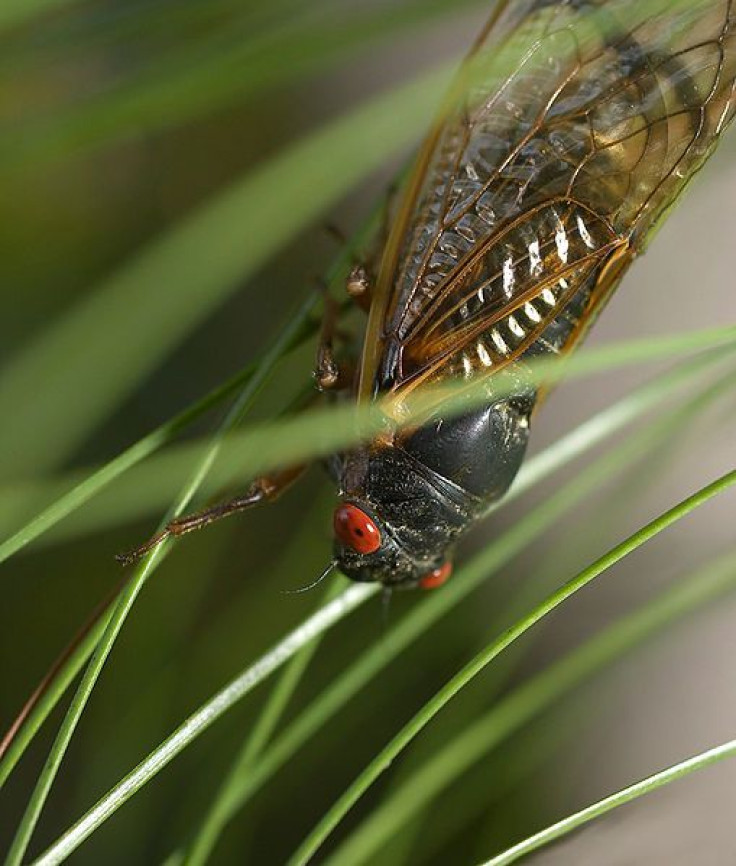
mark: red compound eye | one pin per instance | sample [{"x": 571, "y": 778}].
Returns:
[
  {"x": 355, "y": 529},
  {"x": 437, "y": 577}
]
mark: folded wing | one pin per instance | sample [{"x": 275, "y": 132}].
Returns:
[{"x": 571, "y": 130}]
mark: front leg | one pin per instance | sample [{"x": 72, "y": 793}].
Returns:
[{"x": 263, "y": 490}]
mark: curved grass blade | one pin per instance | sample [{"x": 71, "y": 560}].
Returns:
[
  {"x": 131, "y": 590},
  {"x": 196, "y": 724},
  {"x": 319, "y": 432},
  {"x": 383, "y": 760},
  {"x": 620, "y": 798},
  {"x": 216, "y": 817},
  {"x": 511, "y": 543},
  {"x": 446, "y": 766},
  {"x": 184, "y": 275},
  {"x": 423, "y": 617},
  {"x": 153, "y": 485}
]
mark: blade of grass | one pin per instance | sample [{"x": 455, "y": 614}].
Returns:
[
  {"x": 599, "y": 427},
  {"x": 423, "y": 617},
  {"x": 608, "y": 421},
  {"x": 620, "y": 798},
  {"x": 215, "y": 818},
  {"x": 101, "y": 478},
  {"x": 154, "y": 484},
  {"x": 189, "y": 730},
  {"x": 177, "y": 280},
  {"x": 323, "y": 431},
  {"x": 383, "y": 760},
  {"x": 130, "y": 591},
  {"x": 447, "y": 765}
]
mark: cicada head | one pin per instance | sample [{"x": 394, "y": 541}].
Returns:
[
  {"x": 397, "y": 521},
  {"x": 405, "y": 505},
  {"x": 391, "y": 543}
]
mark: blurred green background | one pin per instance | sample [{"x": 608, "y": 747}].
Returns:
[{"x": 160, "y": 216}]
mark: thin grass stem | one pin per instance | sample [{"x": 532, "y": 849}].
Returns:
[
  {"x": 383, "y": 760},
  {"x": 614, "y": 801}
]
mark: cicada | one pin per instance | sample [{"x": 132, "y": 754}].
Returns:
[{"x": 569, "y": 132}]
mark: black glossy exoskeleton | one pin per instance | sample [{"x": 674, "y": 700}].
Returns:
[
  {"x": 424, "y": 491},
  {"x": 569, "y": 133}
]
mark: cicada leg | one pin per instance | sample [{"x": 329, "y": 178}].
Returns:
[
  {"x": 330, "y": 374},
  {"x": 359, "y": 286},
  {"x": 263, "y": 490}
]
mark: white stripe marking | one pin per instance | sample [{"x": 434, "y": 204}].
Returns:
[
  {"x": 485, "y": 358},
  {"x": 563, "y": 245},
  {"x": 548, "y": 296},
  {"x": 499, "y": 341},
  {"x": 585, "y": 234},
  {"x": 508, "y": 277},
  {"x": 532, "y": 312},
  {"x": 515, "y": 327},
  {"x": 535, "y": 259}
]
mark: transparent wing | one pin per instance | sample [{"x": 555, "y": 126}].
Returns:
[{"x": 571, "y": 130}]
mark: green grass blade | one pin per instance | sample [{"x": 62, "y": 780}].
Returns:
[
  {"x": 606, "y": 423},
  {"x": 132, "y": 588},
  {"x": 323, "y": 431},
  {"x": 620, "y": 798},
  {"x": 197, "y": 723},
  {"x": 216, "y": 816},
  {"x": 153, "y": 485},
  {"x": 445, "y": 767},
  {"x": 177, "y": 280},
  {"x": 383, "y": 760},
  {"x": 416, "y": 623}
]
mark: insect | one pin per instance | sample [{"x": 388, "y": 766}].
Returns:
[{"x": 570, "y": 131}]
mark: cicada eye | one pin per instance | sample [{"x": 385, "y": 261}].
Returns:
[
  {"x": 355, "y": 529},
  {"x": 437, "y": 577}
]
